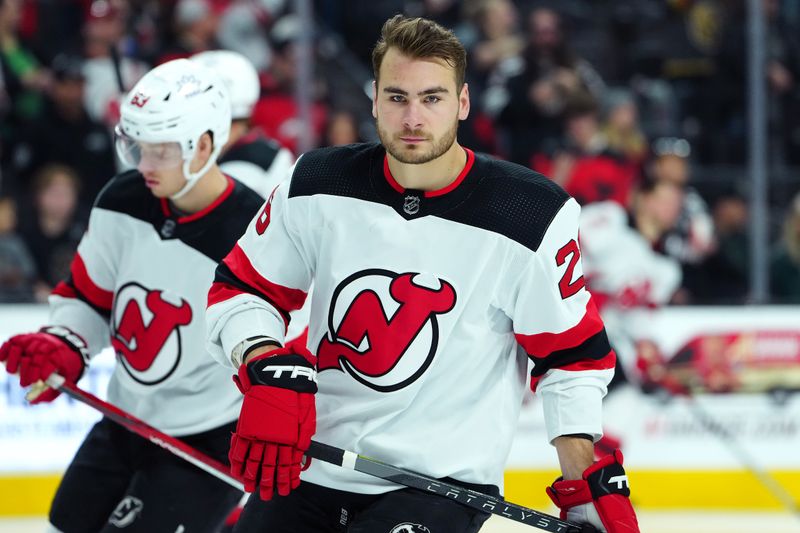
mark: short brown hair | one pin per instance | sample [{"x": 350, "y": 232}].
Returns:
[{"x": 420, "y": 38}]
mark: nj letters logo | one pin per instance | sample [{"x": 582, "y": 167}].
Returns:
[
  {"x": 146, "y": 331},
  {"x": 383, "y": 328}
]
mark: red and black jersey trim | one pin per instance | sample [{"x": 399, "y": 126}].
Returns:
[
  {"x": 236, "y": 275},
  {"x": 212, "y": 231},
  {"x": 493, "y": 195},
  {"x": 226, "y": 286},
  {"x": 590, "y": 355},
  {"x": 80, "y": 286},
  {"x": 584, "y": 346}
]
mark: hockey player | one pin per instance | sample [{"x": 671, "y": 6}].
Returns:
[
  {"x": 439, "y": 274},
  {"x": 139, "y": 282},
  {"x": 252, "y": 158}
]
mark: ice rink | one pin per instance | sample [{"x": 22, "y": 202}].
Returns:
[{"x": 650, "y": 522}]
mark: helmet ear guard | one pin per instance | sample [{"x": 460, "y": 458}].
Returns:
[{"x": 176, "y": 102}]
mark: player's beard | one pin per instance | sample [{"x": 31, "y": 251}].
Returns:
[{"x": 415, "y": 154}]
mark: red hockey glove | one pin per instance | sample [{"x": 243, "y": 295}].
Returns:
[
  {"x": 277, "y": 420},
  {"x": 37, "y": 355},
  {"x": 600, "y": 499}
]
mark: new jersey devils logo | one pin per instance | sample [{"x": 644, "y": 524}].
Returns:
[
  {"x": 383, "y": 328},
  {"x": 139, "y": 100},
  {"x": 146, "y": 332}
]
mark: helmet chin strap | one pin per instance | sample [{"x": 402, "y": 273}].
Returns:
[{"x": 193, "y": 177}]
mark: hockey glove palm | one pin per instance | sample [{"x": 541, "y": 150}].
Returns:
[
  {"x": 37, "y": 355},
  {"x": 600, "y": 499},
  {"x": 277, "y": 420}
]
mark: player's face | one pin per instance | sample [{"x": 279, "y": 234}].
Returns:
[
  {"x": 161, "y": 164},
  {"x": 417, "y": 107},
  {"x": 162, "y": 168}
]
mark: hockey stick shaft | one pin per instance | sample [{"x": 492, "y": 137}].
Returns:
[
  {"x": 141, "y": 428},
  {"x": 470, "y": 498}
]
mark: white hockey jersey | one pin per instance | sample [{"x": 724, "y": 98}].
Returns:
[
  {"x": 621, "y": 267},
  {"x": 427, "y": 308},
  {"x": 139, "y": 281},
  {"x": 260, "y": 163}
]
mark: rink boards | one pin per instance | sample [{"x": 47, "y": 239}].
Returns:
[{"x": 715, "y": 451}]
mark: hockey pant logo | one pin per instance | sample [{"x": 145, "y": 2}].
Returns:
[
  {"x": 383, "y": 328},
  {"x": 127, "y": 510},
  {"x": 146, "y": 331}
]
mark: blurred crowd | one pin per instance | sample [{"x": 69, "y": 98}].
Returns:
[{"x": 642, "y": 103}]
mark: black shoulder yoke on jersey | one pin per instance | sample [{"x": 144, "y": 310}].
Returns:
[
  {"x": 213, "y": 234},
  {"x": 260, "y": 151},
  {"x": 495, "y": 195}
]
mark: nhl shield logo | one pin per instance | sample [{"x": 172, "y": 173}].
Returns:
[{"x": 411, "y": 204}]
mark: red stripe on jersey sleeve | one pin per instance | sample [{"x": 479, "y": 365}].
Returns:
[
  {"x": 96, "y": 295},
  {"x": 285, "y": 298},
  {"x": 219, "y": 292},
  {"x": 64, "y": 290},
  {"x": 541, "y": 345}
]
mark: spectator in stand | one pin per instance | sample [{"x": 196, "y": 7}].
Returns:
[
  {"x": 496, "y": 51},
  {"x": 782, "y": 70},
  {"x": 692, "y": 240},
  {"x": 196, "y": 26},
  {"x": 725, "y": 273},
  {"x": 276, "y": 113},
  {"x": 244, "y": 28},
  {"x": 532, "y": 119},
  {"x": 785, "y": 265},
  {"x": 17, "y": 269},
  {"x": 53, "y": 228},
  {"x": 585, "y": 166},
  {"x": 341, "y": 128},
  {"x": 621, "y": 127},
  {"x": 109, "y": 62},
  {"x": 24, "y": 78},
  {"x": 66, "y": 134}
]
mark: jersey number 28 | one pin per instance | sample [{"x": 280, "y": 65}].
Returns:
[{"x": 566, "y": 285}]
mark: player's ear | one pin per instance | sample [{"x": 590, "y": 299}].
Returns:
[
  {"x": 463, "y": 102},
  {"x": 374, "y": 98},
  {"x": 205, "y": 145}
]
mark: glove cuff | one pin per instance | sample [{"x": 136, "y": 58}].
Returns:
[
  {"x": 607, "y": 476},
  {"x": 74, "y": 341},
  {"x": 280, "y": 368}
]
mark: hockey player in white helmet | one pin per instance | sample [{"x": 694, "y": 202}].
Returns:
[
  {"x": 139, "y": 283},
  {"x": 249, "y": 156}
]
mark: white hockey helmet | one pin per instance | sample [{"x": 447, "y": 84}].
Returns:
[
  {"x": 175, "y": 103},
  {"x": 239, "y": 76}
]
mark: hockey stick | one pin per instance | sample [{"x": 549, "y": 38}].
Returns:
[
  {"x": 470, "y": 498},
  {"x": 322, "y": 452},
  {"x": 141, "y": 428}
]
